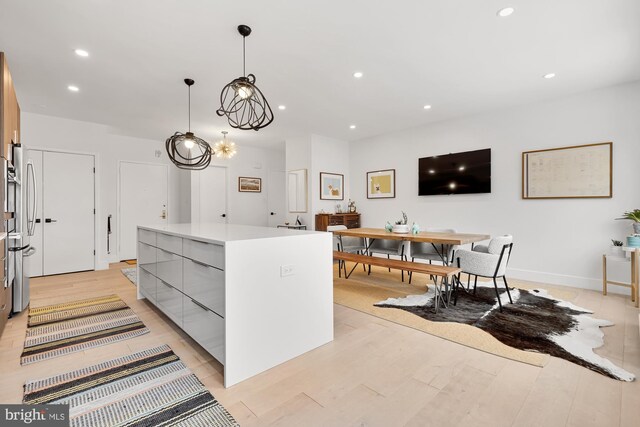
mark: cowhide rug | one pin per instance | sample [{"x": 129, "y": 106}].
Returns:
[{"x": 534, "y": 322}]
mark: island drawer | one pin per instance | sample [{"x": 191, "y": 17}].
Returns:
[
  {"x": 169, "y": 301},
  {"x": 204, "y": 284},
  {"x": 170, "y": 243},
  {"x": 204, "y": 326},
  {"x": 147, "y": 257},
  {"x": 169, "y": 268},
  {"x": 146, "y": 236},
  {"x": 147, "y": 284},
  {"x": 207, "y": 253}
]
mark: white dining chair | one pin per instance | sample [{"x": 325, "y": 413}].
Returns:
[
  {"x": 353, "y": 245},
  {"x": 432, "y": 252}
]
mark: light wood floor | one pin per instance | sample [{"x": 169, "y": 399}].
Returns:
[{"x": 375, "y": 373}]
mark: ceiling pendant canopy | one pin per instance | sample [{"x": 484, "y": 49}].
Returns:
[
  {"x": 186, "y": 150},
  {"x": 224, "y": 149},
  {"x": 241, "y": 101}
]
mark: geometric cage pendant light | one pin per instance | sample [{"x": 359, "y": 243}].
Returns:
[
  {"x": 241, "y": 101},
  {"x": 186, "y": 150}
]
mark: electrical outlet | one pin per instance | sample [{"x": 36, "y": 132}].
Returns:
[{"x": 286, "y": 270}]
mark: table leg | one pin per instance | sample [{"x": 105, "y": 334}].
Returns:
[{"x": 635, "y": 258}]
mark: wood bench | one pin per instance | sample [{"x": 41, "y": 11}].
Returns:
[{"x": 446, "y": 273}]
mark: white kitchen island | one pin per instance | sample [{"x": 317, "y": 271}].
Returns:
[{"x": 253, "y": 297}]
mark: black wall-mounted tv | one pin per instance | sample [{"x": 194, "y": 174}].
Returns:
[{"x": 457, "y": 173}]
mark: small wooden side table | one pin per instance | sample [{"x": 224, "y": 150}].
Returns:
[{"x": 635, "y": 274}]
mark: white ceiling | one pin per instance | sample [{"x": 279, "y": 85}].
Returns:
[{"x": 456, "y": 55}]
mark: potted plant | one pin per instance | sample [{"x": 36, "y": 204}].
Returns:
[
  {"x": 634, "y": 216},
  {"x": 616, "y": 248},
  {"x": 401, "y": 225}
]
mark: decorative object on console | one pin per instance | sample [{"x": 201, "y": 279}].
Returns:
[
  {"x": 388, "y": 227},
  {"x": 401, "y": 226},
  {"x": 634, "y": 216},
  {"x": 381, "y": 184},
  {"x": 186, "y": 150},
  {"x": 331, "y": 186},
  {"x": 586, "y": 172},
  {"x": 224, "y": 149},
  {"x": 241, "y": 101},
  {"x": 351, "y": 207},
  {"x": 248, "y": 184}
]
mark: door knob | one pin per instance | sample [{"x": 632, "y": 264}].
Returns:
[
  {"x": 223, "y": 215},
  {"x": 273, "y": 213},
  {"x": 48, "y": 220}
]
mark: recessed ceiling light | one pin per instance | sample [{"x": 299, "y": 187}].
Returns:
[
  {"x": 352, "y": 127},
  {"x": 358, "y": 74},
  {"x": 503, "y": 13},
  {"x": 81, "y": 52},
  {"x": 549, "y": 76},
  {"x": 427, "y": 107},
  {"x": 282, "y": 107},
  {"x": 73, "y": 88}
]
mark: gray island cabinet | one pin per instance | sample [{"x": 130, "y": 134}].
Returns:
[{"x": 253, "y": 297}]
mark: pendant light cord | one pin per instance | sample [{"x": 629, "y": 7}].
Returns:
[
  {"x": 244, "y": 57},
  {"x": 189, "y": 108}
]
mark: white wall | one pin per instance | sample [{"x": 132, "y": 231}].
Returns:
[
  {"x": 298, "y": 156},
  {"x": 328, "y": 155},
  {"x": 54, "y": 133},
  {"x": 317, "y": 154},
  {"x": 556, "y": 241},
  {"x": 248, "y": 208}
]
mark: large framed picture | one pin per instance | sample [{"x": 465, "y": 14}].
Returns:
[
  {"x": 582, "y": 171},
  {"x": 381, "y": 184},
  {"x": 331, "y": 186},
  {"x": 248, "y": 184}
]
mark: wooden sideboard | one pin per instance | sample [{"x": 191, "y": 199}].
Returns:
[{"x": 351, "y": 220}]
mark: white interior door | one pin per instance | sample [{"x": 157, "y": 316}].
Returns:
[
  {"x": 209, "y": 195},
  {"x": 68, "y": 208},
  {"x": 276, "y": 187},
  {"x": 143, "y": 199},
  {"x": 36, "y": 260}
]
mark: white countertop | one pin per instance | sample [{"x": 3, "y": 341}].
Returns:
[{"x": 221, "y": 233}]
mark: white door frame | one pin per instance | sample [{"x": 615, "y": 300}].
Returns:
[
  {"x": 195, "y": 202},
  {"x": 97, "y": 265},
  {"x": 118, "y": 201}
]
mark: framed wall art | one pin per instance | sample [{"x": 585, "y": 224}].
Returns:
[
  {"x": 582, "y": 171},
  {"x": 331, "y": 186},
  {"x": 247, "y": 184},
  {"x": 381, "y": 184}
]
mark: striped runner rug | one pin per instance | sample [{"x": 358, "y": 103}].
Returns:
[
  {"x": 60, "y": 329},
  {"x": 149, "y": 388}
]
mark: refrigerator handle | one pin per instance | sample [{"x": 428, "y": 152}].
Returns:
[{"x": 31, "y": 222}]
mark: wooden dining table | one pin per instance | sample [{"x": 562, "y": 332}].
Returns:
[{"x": 433, "y": 237}]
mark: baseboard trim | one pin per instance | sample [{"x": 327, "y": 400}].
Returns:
[{"x": 564, "y": 280}]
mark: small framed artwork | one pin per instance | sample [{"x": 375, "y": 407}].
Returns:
[
  {"x": 247, "y": 184},
  {"x": 381, "y": 184},
  {"x": 331, "y": 186}
]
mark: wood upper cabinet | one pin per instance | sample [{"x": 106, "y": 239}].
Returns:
[{"x": 9, "y": 111}]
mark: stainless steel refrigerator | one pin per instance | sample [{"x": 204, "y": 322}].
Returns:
[{"x": 19, "y": 239}]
